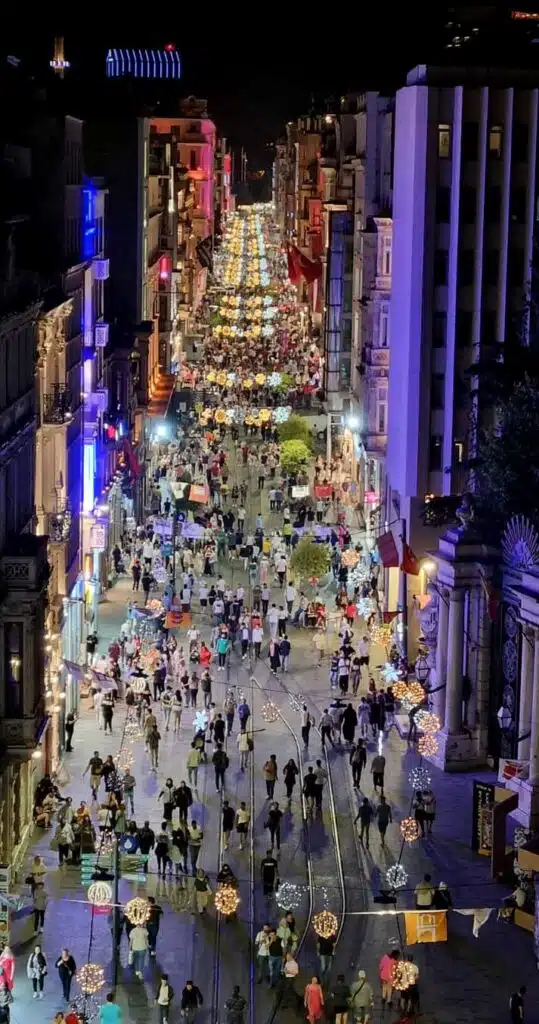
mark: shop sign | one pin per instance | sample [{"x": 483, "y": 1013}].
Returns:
[
  {"x": 98, "y": 537},
  {"x": 300, "y": 491},
  {"x": 482, "y": 817}
]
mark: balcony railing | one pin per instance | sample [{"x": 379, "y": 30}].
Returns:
[
  {"x": 58, "y": 405},
  {"x": 59, "y": 525}
]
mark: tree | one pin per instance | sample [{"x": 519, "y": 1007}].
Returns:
[
  {"x": 294, "y": 455},
  {"x": 309, "y": 559},
  {"x": 296, "y": 428}
]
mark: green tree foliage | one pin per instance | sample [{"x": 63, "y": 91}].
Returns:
[
  {"x": 294, "y": 455},
  {"x": 296, "y": 428},
  {"x": 309, "y": 559}
]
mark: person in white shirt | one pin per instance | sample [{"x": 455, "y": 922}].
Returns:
[
  {"x": 273, "y": 620},
  {"x": 262, "y": 953},
  {"x": 258, "y": 634},
  {"x": 240, "y": 594},
  {"x": 148, "y": 552},
  {"x": 281, "y": 566},
  {"x": 220, "y": 587},
  {"x": 243, "y": 817},
  {"x": 290, "y": 597}
]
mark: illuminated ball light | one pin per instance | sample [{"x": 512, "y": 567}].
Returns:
[
  {"x": 381, "y": 634},
  {"x": 400, "y": 690},
  {"x": 410, "y": 830},
  {"x": 124, "y": 760},
  {"x": 403, "y": 975},
  {"x": 396, "y": 876},
  {"x": 100, "y": 894},
  {"x": 419, "y": 778},
  {"x": 427, "y": 746},
  {"x": 91, "y": 977},
  {"x": 325, "y": 924},
  {"x": 415, "y": 694},
  {"x": 137, "y": 911},
  {"x": 227, "y": 899},
  {"x": 428, "y": 722},
  {"x": 350, "y": 558},
  {"x": 269, "y": 711},
  {"x": 289, "y": 895},
  {"x": 132, "y": 730},
  {"x": 86, "y": 1008}
]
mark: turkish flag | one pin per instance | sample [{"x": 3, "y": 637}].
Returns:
[
  {"x": 311, "y": 269},
  {"x": 410, "y": 564},
  {"x": 293, "y": 269}
]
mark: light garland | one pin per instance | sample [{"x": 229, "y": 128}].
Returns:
[
  {"x": 396, "y": 876},
  {"x": 90, "y": 977},
  {"x": 403, "y": 975},
  {"x": 137, "y": 910},
  {"x": 99, "y": 894},
  {"x": 428, "y": 722},
  {"x": 105, "y": 844},
  {"x": 365, "y": 607},
  {"x": 124, "y": 760},
  {"x": 289, "y": 896},
  {"x": 427, "y": 746},
  {"x": 269, "y": 711},
  {"x": 227, "y": 899},
  {"x": 410, "y": 830},
  {"x": 419, "y": 778},
  {"x": 325, "y": 924}
]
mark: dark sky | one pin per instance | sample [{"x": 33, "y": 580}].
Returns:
[{"x": 257, "y": 65}]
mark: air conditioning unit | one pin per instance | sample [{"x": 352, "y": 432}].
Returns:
[{"x": 101, "y": 269}]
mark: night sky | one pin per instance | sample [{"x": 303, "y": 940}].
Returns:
[{"x": 257, "y": 69}]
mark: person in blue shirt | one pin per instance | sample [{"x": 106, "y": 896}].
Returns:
[{"x": 110, "y": 1012}]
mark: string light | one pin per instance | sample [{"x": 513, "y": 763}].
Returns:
[
  {"x": 350, "y": 558},
  {"x": 325, "y": 924},
  {"x": 428, "y": 722},
  {"x": 427, "y": 746},
  {"x": 419, "y": 778},
  {"x": 124, "y": 760},
  {"x": 91, "y": 977},
  {"x": 289, "y": 896},
  {"x": 410, "y": 830},
  {"x": 403, "y": 975},
  {"x": 396, "y": 876},
  {"x": 100, "y": 894},
  {"x": 137, "y": 910},
  {"x": 227, "y": 899},
  {"x": 85, "y": 1007},
  {"x": 269, "y": 711},
  {"x": 390, "y": 673}
]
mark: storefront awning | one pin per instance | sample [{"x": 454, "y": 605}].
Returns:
[
  {"x": 104, "y": 682},
  {"x": 387, "y": 548},
  {"x": 77, "y": 672}
]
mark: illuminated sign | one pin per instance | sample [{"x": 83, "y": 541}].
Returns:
[
  {"x": 101, "y": 331},
  {"x": 98, "y": 537},
  {"x": 143, "y": 63}
]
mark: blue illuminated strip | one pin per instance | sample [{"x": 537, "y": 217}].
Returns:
[{"x": 143, "y": 63}]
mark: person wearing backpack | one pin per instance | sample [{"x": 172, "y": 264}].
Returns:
[{"x": 220, "y": 763}]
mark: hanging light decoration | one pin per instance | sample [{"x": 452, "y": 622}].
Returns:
[
  {"x": 381, "y": 634},
  {"x": 100, "y": 894},
  {"x": 415, "y": 693},
  {"x": 390, "y": 673},
  {"x": 124, "y": 760},
  {"x": 289, "y": 895},
  {"x": 132, "y": 730},
  {"x": 227, "y": 899},
  {"x": 269, "y": 711},
  {"x": 350, "y": 558},
  {"x": 325, "y": 924},
  {"x": 138, "y": 683},
  {"x": 410, "y": 830},
  {"x": 419, "y": 778},
  {"x": 400, "y": 689},
  {"x": 137, "y": 910},
  {"x": 396, "y": 876},
  {"x": 520, "y": 836},
  {"x": 403, "y": 975},
  {"x": 427, "y": 746},
  {"x": 91, "y": 977},
  {"x": 105, "y": 844},
  {"x": 428, "y": 722},
  {"x": 365, "y": 607}
]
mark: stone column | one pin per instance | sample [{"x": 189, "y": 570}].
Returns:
[
  {"x": 526, "y": 690},
  {"x": 455, "y": 649},
  {"x": 534, "y": 737},
  {"x": 439, "y": 698}
]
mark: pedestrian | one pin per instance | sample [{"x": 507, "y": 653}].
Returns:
[
  {"x": 6, "y": 998},
  {"x": 274, "y": 656},
  {"x": 384, "y": 818},
  {"x": 162, "y": 843},
  {"x": 244, "y": 713},
  {"x": 7, "y": 965},
  {"x": 66, "y": 968},
  {"x": 243, "y": 817},
  {"x": 69, "y": 729},
  {"x": 269, "y": 871},
  {"x": 424, "y": 893},
  {"x": 340, "y": 998},
  {"x": 153, "y": 923},
  {"x": 220, "y": 763},
  {"x": 419, "y": 811},
  {"x": 358, "y": 760},
  {"x": 306, "y": 724},
  {"x": 386, "y": 973},
  {"x": 516, "y": 1005},
  {"x": 325, "y": 947},
  {"x": 107, "y": 710},
  {"x": 321, "y": 777},
  {"x": 361, "y": 998},
  {"x": 183, "y": 798},
  {"x": 309, "y": 789},
  {"x": 378, "y": 767},
  {"x": 275, "y": 958},
  {"x": 191, "y": 1001},
  {"x": 177, "y": 708},
  {"x": 36, "y": 970},
  {"x": 410, "y": 996},
  {"x": 284, "y": 652},
  {"x": 363, "y": 714},
  {"x": 273, "y": 825},
  {"x": 235, "y": 1007},
  {"x": 65, "y": 837},
  {"x": 146, "y": 841},
  {"x": 202, "y": 890},
  {"x": 229, "y": 707},
  {"x": 153, "y": 740},
  {"x": 349, "y": 724},
  {"x": 313, "y": 1000},
  {"x": 364, "y": 815},
  {"x": 257, "y": 637},
  {"x": 205, "y": 686},
  {"x": 109, "y": 1013},
  {"x": 429, "y": 809},
  {"x": 167, "y": 795},
  {"x": 228, "y": 815},
  {"x": 270, "y": 775},
  {"x": 163, "y": 998},
  {"x": 138, "y": 948},
  {"x": 128, "y": 785},
  {"x": 166, "y": 703},
  {"x": 95, "y": 767},
  {"x": 290, "y": 774},
  {"x": 262, "y": 953},
  {"x": 193, "y": 761},
  {"x": 195, "y": 836},
  {"x": 40, "y": 900},
  {"x": 326, "y": 728},
  {"x": 223, "y": 647},
  {"x": 244, "y": 742}
]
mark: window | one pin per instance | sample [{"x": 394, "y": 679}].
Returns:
[
  {"x": 495, "y": 140},
  {"x": 458, "y": 450},
  {"x": 468, "y": 203},
  {"x": 520, "y": 143},
  {"x": 491, "y": 266},
  {"x": 440, "y": 268},
  {"x": 381, "y": 411},
  {"x": 437, "y": 382},
  {"x": 435, "y": 453},
  {"x": 193, "y": 160},
  {"x": 515, "y": 271},
  {"x": 493, "y": 203},
  {"x": 464, "y": 328},
  {"x": 443, "y": 204},
  {"x": 13, "y": 667},
  {"x": 518, "y": 204},
  {"x": 348, "y": 255},
  {"x": 346, "y": 337},
  {"x": 444, "y": 141},
  {"x": 383, "y": 339},
  {"x": 347, "y": 296},
  {"x": 387, "y": 257},
  {"x": 466, "y": 267},
  {"x": 439, "y": 330},
  {"x": 470, "y": 140}
]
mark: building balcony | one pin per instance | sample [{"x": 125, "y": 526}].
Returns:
[
  {"x": 59, "y": 525},
  {"x": 58, "y": 405}
]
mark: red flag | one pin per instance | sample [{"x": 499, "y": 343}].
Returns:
[
  {"x": 410, "y": 564},
  {"x": 134, "y": 464},
  {"x": 293, "y": 269},
  {"x": 389, "y": 616},
  {"x": 311, "y": 269}
]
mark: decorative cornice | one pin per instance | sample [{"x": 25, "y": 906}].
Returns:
[{"x": 51, "y": 330}]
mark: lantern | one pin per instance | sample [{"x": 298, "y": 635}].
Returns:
[
  {"x": 428, "y": 722},
  {"x": 289, "y": 896},
  {"x": 427, "y": 746},
  {"x": 227, "y": 899},
  {"x": 410, "y": 830},
  {"x": 269, "y": 711},
  {"x": 100, "y": 894},
  {"x": 137, "y": 910},
  {"x": 415, "y": 693},
  {"x": 396, "y": 876},
  {"x": 419, "y": 778},
  {"x": 91, "y": 977},
  {"x": 325, "y": 924}
]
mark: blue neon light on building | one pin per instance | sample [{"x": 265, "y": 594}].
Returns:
[
  {"x": 89, "y": 222},
  {"x": 143, "y": 63}
]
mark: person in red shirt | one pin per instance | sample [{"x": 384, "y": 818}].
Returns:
[{"x": 386, "y": 973}]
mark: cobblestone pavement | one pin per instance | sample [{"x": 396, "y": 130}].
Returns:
[{"x": 462, "y": 979}]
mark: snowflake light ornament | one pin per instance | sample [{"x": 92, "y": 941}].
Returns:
[
  {"x": 200, "y": 721},
  {"x": 289, "y": 895},
  {"x": 396, "y": 876},
  {"x": 231, "y": 378},
  {"x": 281, "y": 414},
  {"x": 419, "y": 778},
  {"x": 390, "y": 674},
  {"x": 365, "y": 607},
  {"x": 274, "y": 380}
]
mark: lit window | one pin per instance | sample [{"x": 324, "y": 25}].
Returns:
[
  {"x": 459, "y": 451},
  {"x": 444, "y": 141},
  {"x": 495, "y": 141}
]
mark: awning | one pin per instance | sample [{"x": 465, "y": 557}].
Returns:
[
  {"x": 78, "y": 672},
  {"x": 387, "y": 548},
  {"x": 103, "y": 681},
  {"x": 162, "y": 394}
]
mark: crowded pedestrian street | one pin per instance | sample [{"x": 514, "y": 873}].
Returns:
[{"x": 242, "y": 765}]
